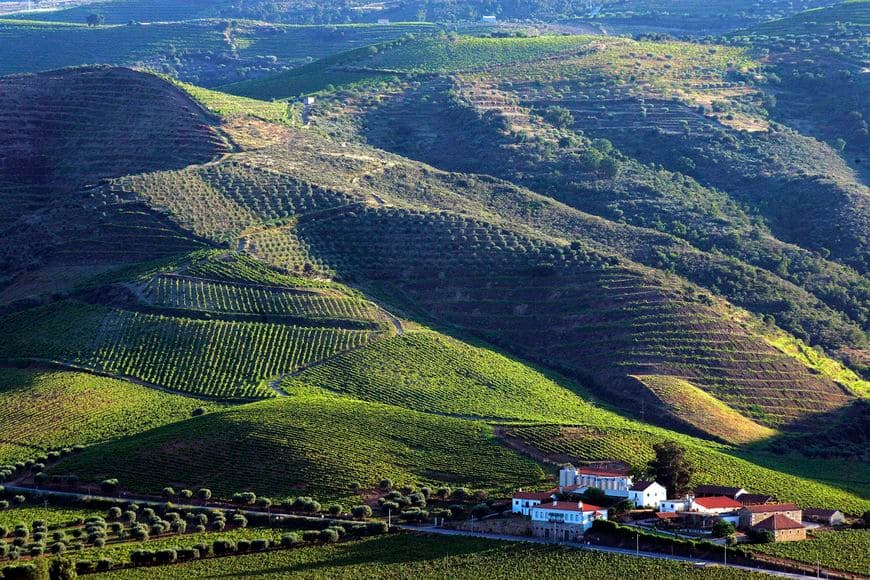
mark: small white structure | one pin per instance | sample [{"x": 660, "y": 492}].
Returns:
[
  {"x": 383, "y": 20},
  {"x": 524, "y": 501},
  {"x": 682, "y": 504},
  {"x": 715, "y": 505},
  {"x": 647, "y": 494},
  {"x": 564, "y": 520},
  {"x": 308, "y": 101},
  {"x": 489, "y": 19},
  {"x": 614, "y": 482}
]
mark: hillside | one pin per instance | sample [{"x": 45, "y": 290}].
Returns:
[
  {"x": 47, "y": 410},
  {"x": 203, "y": 52},
  {"x": 621, "y": 15},
  {"x": 309, "y": 445},
  {"x": 300, "y": 239},
  {"x": 445, "y": 123}
]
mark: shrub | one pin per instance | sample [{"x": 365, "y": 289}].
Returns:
[
  {"x": 204, "y": 494},
  {"x": 386, "y": 484},
  {"x": 166, "y": 556},
  {"x": 260, "y": 544},
  {"x": 289, "y": 540},
  {"x": 84, "y": 567},
  {"x": 223, "y": 546},
  {"x": 361, "y": 512},
  {"x": 185, "y": 493},
  {"x": 335, "y": 510},
  {"x": 328, "y": 536},
  {"x": 109, "y": 486},
  {"x": 168, "y": 492},
  {"x": 310, "y": 536},
  {"x": 240, "y": 521},
  {"x": 461, "y": 493},
  {"x": 104, "y": 564}
]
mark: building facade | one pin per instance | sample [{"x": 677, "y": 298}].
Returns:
[
  {"x": 564, "y": 520},
  {"x": 647, "y": 494},
  {"x": 784, "y": 529},
  {"x": 755, "y": 514},
  {"x": 524, "y": 501},
  {"x": 615, "y": 482}
]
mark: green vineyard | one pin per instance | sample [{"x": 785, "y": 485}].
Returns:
[{"x": 308, "y": 445}]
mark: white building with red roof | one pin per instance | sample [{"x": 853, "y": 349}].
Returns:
[
  {"x": 647, "y": 494},
  {"x": 524, "y": 501},
  {"x": 564, "y": 520},
  {"x": 715, "y": 504}
]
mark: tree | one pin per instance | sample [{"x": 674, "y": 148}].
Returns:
[
  {"x": 559, "y": 117},
  {"x": 722, "y": 529},
  {"x": 671, "y": 468},
  {"x": 95, "y": 19},
  {"x": 204, "y": 494},
  {"x": 62, "y": 569}
]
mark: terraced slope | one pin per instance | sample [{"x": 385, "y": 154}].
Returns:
[
  {"x": 309, "y": 445},
  {"x": 208, "y": 338},
  {"x": 48, "y": 410},
  {"x": 204, "y": 52}
]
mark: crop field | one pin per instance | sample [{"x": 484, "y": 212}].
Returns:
[
  {"x": 405, "y": 555},
  {"x": 716, "y": 466},
  {"x": 308, "y": 444},
  {"x": 220, "y": 200},
  {"x": 430, "y": 372},
  {"x": 46, "y": 411},
  {"x": 216, "y": 358},
  {"x": 52, "y": 516},
  {"x": 242, "y": 268},
  {"x": 173, "y": 291},
  {"x": 543, "y": 301},
  {"x": 847, "y": 550}
]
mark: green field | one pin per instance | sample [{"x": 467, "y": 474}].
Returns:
[
  {"x": 408, "y": 556},
  {"x": 52, "y": 516},
  {"x": 228, "y": 359},
  {"x": 47, "y": 410},
  {"x": 847, "y": 550},
  {"x": 429, "y": 372},
  {"x": 308, "y": 444}
]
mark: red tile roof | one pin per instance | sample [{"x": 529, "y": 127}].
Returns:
[
  {"x": 667, "y": 515},
  {"x": 772, "y": 507},
  {"x": 718, "y": 502},
  {"x": 777, "y": 522},
  {"x": 569, "y": 506}
]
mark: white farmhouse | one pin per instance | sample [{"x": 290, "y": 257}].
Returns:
[
  {"x": 671, "y": 506},
  {"x": 524, "y": 501},
  {"x": 647, "y": 494},
  {"x": 564, "y": 520},
  {"x": 715, "y": 505},
  {"x": 614, "y": 481},
  {"x": 489, "y": 19}
]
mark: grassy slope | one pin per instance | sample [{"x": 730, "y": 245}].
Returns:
[
  {"x": 406, "y": 556},
  {"x": 429, "y": 372},
  {"x": 43, "y": 411},
  {"x": 703, "y": 411},
  {"x": 847, "y": 550},
  {"x": 308, "y": 444}
]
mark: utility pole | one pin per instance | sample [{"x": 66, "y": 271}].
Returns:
[
  {"x": 725, "y": 559},
  {"x": 389, "y": 518},
  {"x": 637, "y": 543}
]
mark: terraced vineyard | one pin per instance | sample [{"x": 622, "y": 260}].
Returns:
[
  {"x": 430, "y": 557},
  {"x": 195, "y": 294},
  {"x": 308, "y": 445},
  {"x": 43, "y": 411},
  {"x": 227, "y": 359},
  {"x": 847, "y": 550},
  {"x": 205, "y": 52},
  {"x": 564, "y": 443},
  {"x": 543, "y": 300}
]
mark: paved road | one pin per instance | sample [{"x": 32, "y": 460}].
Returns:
[{"x": 595, "y": 548}]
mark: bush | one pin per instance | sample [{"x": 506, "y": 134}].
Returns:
[
  {"x": 335, "y": 509},
  {"x": 223, "y": 546},
  {"x": 166, "y": 556},
  {"x": 84, "y": 567},
  {"x": 310, "y": 536},
  {"x": 361, "y": 512},
  {"x": 188, "y": 554},
  {"x": 386, "y": 484},
  {"x": 109, "y": 486},
  {"x": 243, "y": 546},
  {"x": 168, "y": 492},
  {"x": 260, "y": 545},
  {"x": 142, "y": 557},
  {"x": 240, "y": 521},
  {"x": 289, "y": 540},
  {"x": 204, "y": 494},
  {"x": 185, "y": 494},
  {"x": 104, "y": 564},
  {"x": 328, "y": 536},
  {"x": 461, "y": 493}
]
